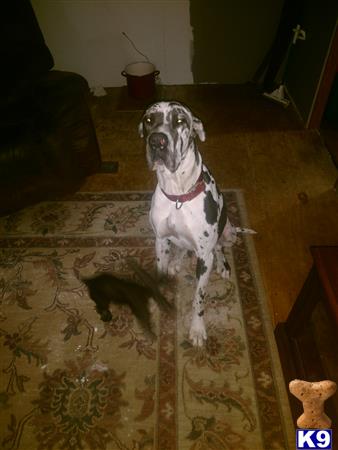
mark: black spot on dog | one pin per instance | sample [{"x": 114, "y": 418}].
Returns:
[
  {"x": 206, "y": 234},
  {"x": 201, "y": 313},
  {"x": 210, "y": 208},
  {"x": 167, "y": 252},
  {"x": 206, "y": 177},
  {"x": 151, "y": 120},
  {"x": 201, "y": 268},
  {"x": 181, "y": 147},
  {"x": 222, "y": 220},
  {"x": 197, "y": 155},
  {"x": 201, "y": 294}
]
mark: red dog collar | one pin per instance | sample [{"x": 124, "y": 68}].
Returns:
[{"x": 194, "y": 192}]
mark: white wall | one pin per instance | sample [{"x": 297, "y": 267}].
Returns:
[{"x": 85, "y": 36}]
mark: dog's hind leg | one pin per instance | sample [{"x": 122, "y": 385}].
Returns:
[
  {"x": 222, "y": 266},
  {"x": 229, "y": 235},
  {"x": 197, "y": 330}
]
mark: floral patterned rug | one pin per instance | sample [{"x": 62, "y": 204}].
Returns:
[{"x": 70, "y": 381}]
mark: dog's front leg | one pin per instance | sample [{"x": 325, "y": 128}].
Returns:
[
  {"x": 162, "y": 255},
  {"x": 176, "y": 261},
  {"x": 198, "y": 333}
]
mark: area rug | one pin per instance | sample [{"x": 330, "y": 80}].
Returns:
[{"x": 70, "y": 381}]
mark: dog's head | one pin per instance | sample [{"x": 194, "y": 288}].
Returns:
[{"x": 169, "y": 129}]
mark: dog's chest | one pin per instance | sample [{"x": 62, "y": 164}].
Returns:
[
  {"x": 168, "y": 220},
  {"x": 185, "y": 224}
]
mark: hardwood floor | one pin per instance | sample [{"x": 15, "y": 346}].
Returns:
[
  {"x": 285, "y": 172},
  {"x": 330, "y": 138}
]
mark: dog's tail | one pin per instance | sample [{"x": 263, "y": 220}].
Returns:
[
  {"x": 245, "y": 230},
  {"x": 152, "y": 284},
  {"x": 230, "y": 233}
]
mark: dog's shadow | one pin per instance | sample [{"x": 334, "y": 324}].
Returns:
[{"x": 106, "y": 289}]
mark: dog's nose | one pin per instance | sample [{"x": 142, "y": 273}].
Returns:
[{"x": 158, "y": 141}]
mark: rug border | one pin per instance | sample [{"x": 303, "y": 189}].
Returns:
[{"x": 280, "y": 386}]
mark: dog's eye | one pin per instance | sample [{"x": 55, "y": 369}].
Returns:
[
  {"x": 148, "y": 120},
  {"x": 179, "y": 120}
]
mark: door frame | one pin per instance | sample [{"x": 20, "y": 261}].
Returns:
[{"x": 325, "y": 83}]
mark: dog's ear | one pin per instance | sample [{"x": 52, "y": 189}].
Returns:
[
  {"x": 198, "y": 128},
  {"x": 140, "y": 129}
]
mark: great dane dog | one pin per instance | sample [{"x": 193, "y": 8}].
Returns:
[{"x": 187, "y": 208}]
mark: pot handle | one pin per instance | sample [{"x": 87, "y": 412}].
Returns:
[{"x": 124, "y": 73}]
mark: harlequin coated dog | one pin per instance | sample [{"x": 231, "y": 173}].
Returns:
[{"x": 187, "y": 208}]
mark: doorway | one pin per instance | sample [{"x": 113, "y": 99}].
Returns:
[{"x": 325, "y": 112}]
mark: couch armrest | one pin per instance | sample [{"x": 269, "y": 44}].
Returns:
[{"x": 64, "y": 99}]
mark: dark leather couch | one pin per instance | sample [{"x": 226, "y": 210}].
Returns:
[{"x": 47, "y": 138}]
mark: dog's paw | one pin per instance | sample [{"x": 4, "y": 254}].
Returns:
[
  {"x": 197, "y": 334},
  {"x": 222, "y": 266},
  {"x": 226, "y": 272},
  {"x": 224, "y": 269}
]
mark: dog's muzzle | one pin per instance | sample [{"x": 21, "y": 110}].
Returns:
[
  {"x": 158, "y": 141},
  {"x": 158, "y": 145}
]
